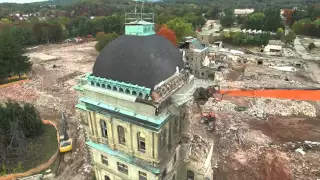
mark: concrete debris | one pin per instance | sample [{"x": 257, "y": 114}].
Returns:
[
  {"x": 300, "y": 150},
  {"x": 260, "y": 107}
]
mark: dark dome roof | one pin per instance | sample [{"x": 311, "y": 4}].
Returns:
[{"x": 141, "y": 60}]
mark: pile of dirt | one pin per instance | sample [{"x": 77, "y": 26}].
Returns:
[{"x": 276, "y": 166}]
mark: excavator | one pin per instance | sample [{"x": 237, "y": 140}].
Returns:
[
  {"x": 203, "y": 94},
  {"x": 65, "y": 141}
]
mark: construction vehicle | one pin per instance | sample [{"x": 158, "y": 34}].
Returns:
[
  {"x": 65, "y": 144},
  {"x": 207, "y": 118}
]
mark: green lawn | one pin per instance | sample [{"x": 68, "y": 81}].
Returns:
[{"x": 39, "y": 150}]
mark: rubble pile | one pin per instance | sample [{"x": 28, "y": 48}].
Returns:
[
  {"x": 199, "y": 148},
  {"x": 215, "y": 106},
  {"x": 18, "y": 93},
  {"x": 261, "y": 107}
]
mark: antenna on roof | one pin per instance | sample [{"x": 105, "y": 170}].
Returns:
[{"x": 142, "y": 9}]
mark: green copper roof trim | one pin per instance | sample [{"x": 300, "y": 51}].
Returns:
[
  {"x": 81, "y": 106},
  {"x": 123, "y": 87},
  {"x": 78, "y": 88},
  {"x": 123, "y": 156},
  {"x": 152, "y": 123}
]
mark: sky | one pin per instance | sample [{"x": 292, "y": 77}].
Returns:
[{"x": 20, "y": 1}]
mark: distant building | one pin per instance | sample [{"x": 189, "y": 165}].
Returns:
[
  {"x": 196, "y": 58},
  {"x": 209, "y": 33},
  {"x": 243, "y": 12},
  {"x": 272, "y": 48}
]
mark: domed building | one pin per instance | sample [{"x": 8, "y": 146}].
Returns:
[{"x": 133, "y": 123}]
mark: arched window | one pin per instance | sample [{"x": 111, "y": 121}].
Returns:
[
  {"x": 106, "y": 178},
  {"x": 120, "y": 90},
  {"x": 103, "y": 86},
  {"x": 127, "y": 91},
  {"x": 114, "y": 88},
  {"x": 141, "y": 142},
  {"x": 92, "y": 83},
  {"x": 190, "y": 175},
  {"x": 108, "y": 86},
  {"x": 121, "y": 135},
  {"x": 140, "y": 95},
  {"x": 98, "y": 84},
  {"x": 174, "y": 177},
  {"x": 134, "y": 93},
  {"x": 104, "y": 130}
]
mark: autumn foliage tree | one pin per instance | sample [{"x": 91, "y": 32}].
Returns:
[{"x": 168, "y": 33}]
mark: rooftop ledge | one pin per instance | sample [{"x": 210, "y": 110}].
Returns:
[{"x": 150, "y": 122}]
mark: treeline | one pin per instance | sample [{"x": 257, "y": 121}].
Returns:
[
  {"x": 17, "y": 124},
  {"x": 267, "y": 20},
  {"x": 304, "y": 22},
  {"x": 239, "y": 38}
]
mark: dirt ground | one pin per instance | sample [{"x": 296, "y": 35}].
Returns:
[
  {"x": 52, "y": 75},
  {"x": 259, "y": 143}
]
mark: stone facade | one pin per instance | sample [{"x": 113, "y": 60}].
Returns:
[{"x": 138, "y": 139}]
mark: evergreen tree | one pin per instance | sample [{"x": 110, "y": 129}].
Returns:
[{"x": 12, "y": 60}]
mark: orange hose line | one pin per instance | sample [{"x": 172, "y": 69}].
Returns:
[{"x": 309, "y": 95}]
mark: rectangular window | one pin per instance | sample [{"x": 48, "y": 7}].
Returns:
[
  {"x": 174, "y": 158},
  {"x": 122, "y": 168},
  {"x": 121, "y": 135},
  {"x": 104, "y": 130},
  {"x": 141, "y": 142},
  {"x": 142, "y": 145},
  {"x": 142, "y": 176},
  {"x": 104, "y": 160}
]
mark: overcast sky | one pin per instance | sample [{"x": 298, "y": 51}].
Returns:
[{"x": 20, "y": 1}]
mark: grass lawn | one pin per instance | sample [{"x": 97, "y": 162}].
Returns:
[
  {"x": 14, "y": 79},
  {"x": 39, "y": 150}
]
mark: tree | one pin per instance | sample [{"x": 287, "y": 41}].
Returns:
[
  {"x": 168, "y": 33},
  {"x": 180, "y": 27},
  {"x": 297, "y": 27},
  {"x": 12, "y": 59},
  {"x": 196, "y": 21},
  {"x": 279, "y": 33},
  {"x": 104, "y": 39},
  {"x": 273, "y": 19},
  {"x": 255, "y": 21},
  {"x": 5, "y": 21},
  {"x": 289, "y": 38},
  {"x": 213, "y": 13},
  {"x": 227, "y": 18}
]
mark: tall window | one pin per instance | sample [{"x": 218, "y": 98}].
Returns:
[
  {"x": 175, "y": 158},
  {"x": 104, "y": 160},
  {"x": 141, "y": 142},
  {"x": 106, "y": 178},
  {"x": 190, "y": 175},
  {"x": 104, "y": 130},
  {"x": 174, "y": 177},
  {"x": 122, "y": 168},
  {"x": 163, "y": 138},
  {"x": 142, "y": 176},
  {"x": 121, "y": 135}
]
